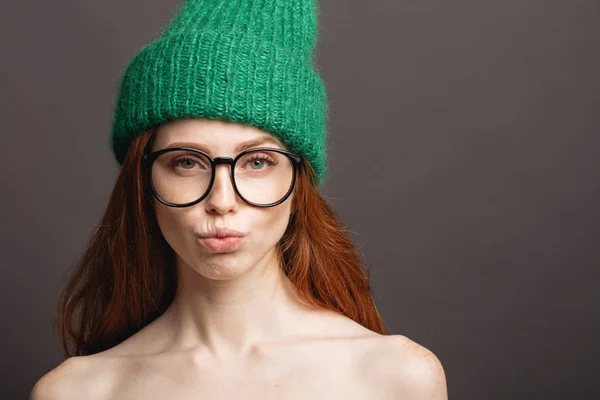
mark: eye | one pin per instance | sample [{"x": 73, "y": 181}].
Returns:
[
  {"x": 185, "y": 162},
  {"x": 259, "y": 160}
]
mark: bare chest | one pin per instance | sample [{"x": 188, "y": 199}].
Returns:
[
  {"x": 314, "y": 376},
  {"x": 303, "y": 387}
]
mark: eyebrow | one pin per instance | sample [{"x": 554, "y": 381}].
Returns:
[{"x": 239, "y": 148}]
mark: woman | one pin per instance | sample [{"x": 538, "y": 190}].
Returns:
[{"x": 218, "y": 270}]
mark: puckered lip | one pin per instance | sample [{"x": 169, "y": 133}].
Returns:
[{"x": 221, "y": 232}]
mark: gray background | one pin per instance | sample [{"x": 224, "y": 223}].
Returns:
[{"x": 463, "y": 156}]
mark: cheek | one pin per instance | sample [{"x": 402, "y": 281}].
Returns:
[
  {"x": 273, "y": 223},
  {"x": 172, "y": 225}
]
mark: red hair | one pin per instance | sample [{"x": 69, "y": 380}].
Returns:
[{"x": 126, "y": 277}]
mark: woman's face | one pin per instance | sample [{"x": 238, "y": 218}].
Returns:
[{"x": 182, "y": 227}]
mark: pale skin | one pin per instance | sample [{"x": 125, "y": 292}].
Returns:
[{"x": 236, "y": 329}]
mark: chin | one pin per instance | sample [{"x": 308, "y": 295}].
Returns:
[{"x": 221, "y": 266}]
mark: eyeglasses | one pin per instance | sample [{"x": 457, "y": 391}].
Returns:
[{"x": 183, "y": 176}]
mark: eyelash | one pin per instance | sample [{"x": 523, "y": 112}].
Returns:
[{"x": 262, "y": 157}]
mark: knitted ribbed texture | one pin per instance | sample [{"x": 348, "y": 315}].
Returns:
[{"x": 248, "y": 61}]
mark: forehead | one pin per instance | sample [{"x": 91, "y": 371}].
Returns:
[{"x": 213, "y": 136}]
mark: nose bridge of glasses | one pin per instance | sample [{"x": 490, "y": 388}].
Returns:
[{"x": 223, "y": 160}]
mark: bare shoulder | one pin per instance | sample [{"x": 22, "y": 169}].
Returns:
[
  {"x": 75, "y": 378},
  {"x": 405, "y": 369}
]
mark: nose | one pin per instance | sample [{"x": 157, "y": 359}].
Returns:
[{"x": 222, "y": 196}]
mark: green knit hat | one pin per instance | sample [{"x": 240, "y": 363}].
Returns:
[{"x": 247, "y": 61}]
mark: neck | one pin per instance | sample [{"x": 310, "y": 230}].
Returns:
[{"x": 229, "y": 317}]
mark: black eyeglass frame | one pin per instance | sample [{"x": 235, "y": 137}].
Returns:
[{"x": 148, "y": 160}]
